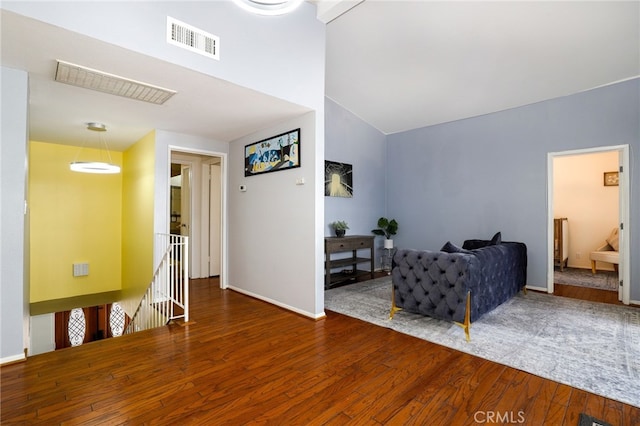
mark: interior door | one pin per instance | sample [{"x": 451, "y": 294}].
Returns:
[
  {"x": 185, "y": 207},
  {"x": 185, "y": 201},
  {"x": 215, "y": 217}
]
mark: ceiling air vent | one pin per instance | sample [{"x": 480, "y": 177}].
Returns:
[
  {"x": 191, "y": 38},
  {"x": 88, "y": 78}
]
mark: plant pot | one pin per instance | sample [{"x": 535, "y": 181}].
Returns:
[
  {"x": 340, "y": 232},
  {"x": 388, "y": 244}
]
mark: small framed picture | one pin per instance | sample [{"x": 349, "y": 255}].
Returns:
[
  {"x": 338, "y": 179},
  {"x": 610, "y": 178}
]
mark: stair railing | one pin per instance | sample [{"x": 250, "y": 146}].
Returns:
[{"x": 167, "y": 297}]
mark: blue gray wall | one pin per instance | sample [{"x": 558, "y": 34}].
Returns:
[
  {"x": 351, "y": 140},
  {"x": 473, "y": 177}
]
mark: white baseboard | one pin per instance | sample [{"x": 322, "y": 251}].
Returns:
[
  {"x": 279, "y": 304},
  {"x": 12, "y": 359}
]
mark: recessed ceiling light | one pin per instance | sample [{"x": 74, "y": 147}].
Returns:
[{"x": 269, "y": 7}]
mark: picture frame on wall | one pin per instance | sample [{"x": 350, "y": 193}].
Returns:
[
  {"x": 338, "y": 179},
  {"x": 277, "y": 153},
  {"x": 610, "y": 178}
]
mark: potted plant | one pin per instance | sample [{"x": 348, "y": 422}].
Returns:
[
  {"x": 340, "y": 227},
  {"x": 387, "y": 228}
]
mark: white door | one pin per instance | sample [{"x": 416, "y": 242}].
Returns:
[
  {"x": 185, "y": 210},
  {"x": 215, "y": 216}
]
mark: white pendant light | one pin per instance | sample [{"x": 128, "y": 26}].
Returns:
[
  {"x": 269, "y": 7},
  {"x": 99, "y": 167}
]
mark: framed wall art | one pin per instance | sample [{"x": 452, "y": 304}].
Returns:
[
  {"x": 338, "y": 179},
  {"x": 273, "y": 154}
]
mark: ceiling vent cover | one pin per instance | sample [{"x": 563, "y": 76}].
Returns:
[
  {"x": 88, "y": 78},
  {"x": 191, "y": 38}
]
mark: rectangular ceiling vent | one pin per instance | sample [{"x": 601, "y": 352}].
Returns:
[
  {"x": 81, "y": 76},
  {"x": 191, "y": 38}
]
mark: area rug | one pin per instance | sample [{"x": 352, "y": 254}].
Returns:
[
  {"x": 604, "y": 280},
  {"x": 587, "y": 345}
]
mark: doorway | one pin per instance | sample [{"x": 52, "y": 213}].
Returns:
[
  {"x": 580, "y": 198},
  {"x": 196, "y": 209}
]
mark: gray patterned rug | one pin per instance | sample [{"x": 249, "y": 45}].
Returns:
[
  {"x": 604, "y": 280},
  {"x": 587, "y": 345}
]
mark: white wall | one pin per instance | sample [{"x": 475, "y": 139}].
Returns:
[
  {"x": 271, "y": 229},
  {"x": 14, "y": 259},
  {"x": 591, "y": 208}
]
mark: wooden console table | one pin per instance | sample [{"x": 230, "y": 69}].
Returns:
[{"x": 351, "y": 243}]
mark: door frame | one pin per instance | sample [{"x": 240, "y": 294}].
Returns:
[
  {"x": 224, "y": 260},
  {"x": 624, "y": 216}
]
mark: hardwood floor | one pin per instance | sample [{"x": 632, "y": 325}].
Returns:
[
  {"x": 591, "y": 294},
  {"x": 242, "y": 361}
]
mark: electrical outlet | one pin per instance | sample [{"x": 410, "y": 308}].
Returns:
[
  {"x": 578, "y": 255},
  {"x": 80, "y": 269}
]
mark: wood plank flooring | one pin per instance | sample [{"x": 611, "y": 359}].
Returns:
[{"x": 242, "y": 361}]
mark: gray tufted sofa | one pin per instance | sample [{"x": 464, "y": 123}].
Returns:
[{"x": 461, "y": 285}]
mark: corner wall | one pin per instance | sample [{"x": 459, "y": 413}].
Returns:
[
  {"x": 471, "y": 178},
  {"x": 353, "y": 141},
  {"x": 138, "y": 180},
  {"x": 14, "y": 219},
  {"x": 271, "y": 227}
]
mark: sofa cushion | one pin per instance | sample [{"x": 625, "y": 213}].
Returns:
[{"x": 449, "y": 247}]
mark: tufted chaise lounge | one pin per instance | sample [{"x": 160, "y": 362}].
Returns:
[{"x": 461, "y": 286}]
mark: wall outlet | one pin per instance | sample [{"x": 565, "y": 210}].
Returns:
[
  {"x": 80, "y": 269},
  {"x": 578, "y": 255}
]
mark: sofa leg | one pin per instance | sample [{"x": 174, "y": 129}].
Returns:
[
  {"x": 394, "y": 308},
  {"x": 466, "y": 325}
]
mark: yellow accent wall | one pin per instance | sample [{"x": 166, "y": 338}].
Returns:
[
  {"x": 138, "y": 195},
  {"x": 75, "y": 218}
]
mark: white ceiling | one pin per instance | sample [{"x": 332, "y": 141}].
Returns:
[
  {"x": 401, "y": 65},
  {"x": 398, "y": 65}
]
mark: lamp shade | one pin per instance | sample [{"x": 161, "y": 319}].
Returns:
[
  {"x": 97, "y": 167},
  {"x": 94, "y": 167}
]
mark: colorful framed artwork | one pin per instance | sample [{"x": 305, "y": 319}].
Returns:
[
  {"x": 281, "y": 152},
  {"x": 338, "y": 179}
]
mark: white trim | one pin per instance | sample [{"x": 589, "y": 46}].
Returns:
[
  {"x": 536, "y": 288},
  {"x": 625, "y": 217},
  {"x": 12, "y": 358},
  {"x": 280, "y": 304}
]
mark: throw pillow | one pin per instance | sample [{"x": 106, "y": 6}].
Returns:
[
  {"x": 496, "y": 239},
  {"x": 614, "y": 240},
  {"x": 452, "y": 248}
]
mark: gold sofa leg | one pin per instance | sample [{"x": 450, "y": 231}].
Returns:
[
  {"x": 394, "y": 308},
  {"x": 466, "y": 325}
]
